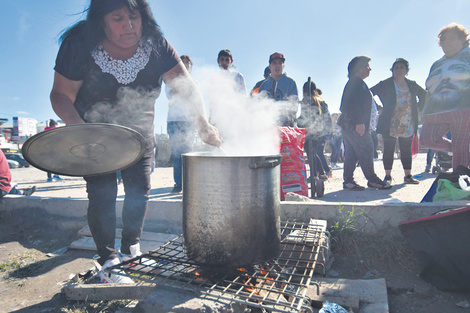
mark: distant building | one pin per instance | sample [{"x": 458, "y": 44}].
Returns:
[{"x": 24, "y": 127}]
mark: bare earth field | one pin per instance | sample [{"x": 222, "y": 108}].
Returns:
[{"x": 34, "y": 266}]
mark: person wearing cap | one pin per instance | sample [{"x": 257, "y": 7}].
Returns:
[
  {"x": 280, "y": 87},
  {"x": 356, "y": 107},
  {"x": 225, "y": 61},
  {"x": 255, "y": 89}
]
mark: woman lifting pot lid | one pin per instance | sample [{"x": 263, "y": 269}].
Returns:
[{"x": 109, "y": 69}]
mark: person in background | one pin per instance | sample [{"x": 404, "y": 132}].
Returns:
[
  {"x": 448, "y": 102},
  {"x": 255, "y": 89},
  {"x": 109, "y": 69},
  {"x": 227, "y": 85},
  {"x": 316, "y": 118},
  {"x": 50, "y": 178},
  {"x": 429, "y": 158},
  {"x": 225, "y": 61},
  {"x": 335, "y": 142},
  {"x": 402, "y": 100},
  {"x": 281, "y": 88},
  {"x": 181, "y": 130},
  {"x": 6, "y": 186},
  {"x": 357, "y": 106}
]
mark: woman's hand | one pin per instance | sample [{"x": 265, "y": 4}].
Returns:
[
  {"x": 179, "y": 80},
  {"x": 209, "y": 133},
  {"x": 361, "y": 129}
]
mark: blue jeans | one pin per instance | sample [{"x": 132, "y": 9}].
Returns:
[
  {"x": 335, "y": 144},
  {"x": 182, "y": 141},
  {"x": 358, "y": 148},
  {"x": 430, "y": 157}
]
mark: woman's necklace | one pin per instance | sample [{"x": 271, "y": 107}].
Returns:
[{"x": 125, "y": 71}]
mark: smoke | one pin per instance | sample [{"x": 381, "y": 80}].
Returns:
[
  {"x": 247, "y": 125},
  {"x": 133, "y": 108}
]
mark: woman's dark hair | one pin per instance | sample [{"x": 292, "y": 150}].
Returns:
[
  {"x": 91, "y": 29},
  {"x": 401, "y": 61},
  {"x": 313, "y": 87},
  {"x": 356, "y": 63},
  {"x": 315, "y": 96}
]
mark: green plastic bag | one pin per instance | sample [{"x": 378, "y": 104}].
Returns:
[{"x": 448, "y": 191}]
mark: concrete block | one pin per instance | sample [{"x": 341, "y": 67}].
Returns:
[
  {"x": 372, "y": 294},
  {"x": 166, "y": 299}
]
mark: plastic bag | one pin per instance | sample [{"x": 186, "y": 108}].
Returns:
[
  {"x": 464, "y": 182},
  {"x": 329, "y": 307},
  {"x": 448, "y": 191},
  {"x": 293, "y": 172}
]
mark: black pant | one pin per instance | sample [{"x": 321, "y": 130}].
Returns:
[
  {"x": 358, "y": 148},
  {"x": 311, "y": 147},
  {"x": 102, "y": 193},
  {"x": 405, "y": 151}
]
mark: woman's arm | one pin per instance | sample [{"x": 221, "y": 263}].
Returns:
[
  {"x": 421, "y": 93},
  {"x": 179, "y": 80},
  {"x": 63, "y": 95}
]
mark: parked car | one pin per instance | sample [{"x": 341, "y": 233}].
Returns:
[
  {"x": 18, "y": 158},
  {"x": 13, "y": 164}
]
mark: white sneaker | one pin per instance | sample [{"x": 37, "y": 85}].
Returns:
[
  {"x": 135, "y": 251},
  {"x": 144, "y": 265},
  {"x": 110, "y": 278}
]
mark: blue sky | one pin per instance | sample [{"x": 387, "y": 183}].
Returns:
[{"x": 318, "y": 39}]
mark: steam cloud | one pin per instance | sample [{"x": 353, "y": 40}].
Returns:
[{"x": 247, "y": 125}]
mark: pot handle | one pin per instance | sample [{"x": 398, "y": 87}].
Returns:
[{"x": 265, "y": 162}]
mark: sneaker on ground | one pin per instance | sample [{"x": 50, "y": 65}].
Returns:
[
  {"x": 110, "y": 278},
  {"x": 143, "y": 264},
  {"x": 352, "y": 186},
  {"x": 323, "y": 177},
  {"x": 57, "y": 177},
  {"x": 50, "y": 179},
  {"x": 378, "y": 184},
  {"x": 388, "y": 179},
  {"x": 29, "y": 191},
  {"x": 177, "y": 189},
  {"x": 428, "y": 168},
  {"x": 410, "y": 180}
]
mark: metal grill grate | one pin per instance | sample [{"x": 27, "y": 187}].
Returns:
[{"x": 279, "y": 285}]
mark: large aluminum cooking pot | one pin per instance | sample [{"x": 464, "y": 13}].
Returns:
[{"x": 231, "y": 208}]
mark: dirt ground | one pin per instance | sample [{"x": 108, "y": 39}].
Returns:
[{"x": 34, "y": 266}]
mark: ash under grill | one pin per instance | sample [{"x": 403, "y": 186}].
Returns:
[{"x": 279, "y": 285}]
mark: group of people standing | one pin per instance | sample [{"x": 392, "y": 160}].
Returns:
[
  {"x": 110, "y": 68},
  {"x": 444, "y": 108}
]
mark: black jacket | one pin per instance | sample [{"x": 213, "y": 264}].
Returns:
[
  {"x": 356, "y": 102},
  {"x": 387, "y": 93}
]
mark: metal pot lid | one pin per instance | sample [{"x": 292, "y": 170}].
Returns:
[{"x": 84, "y": 149}]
